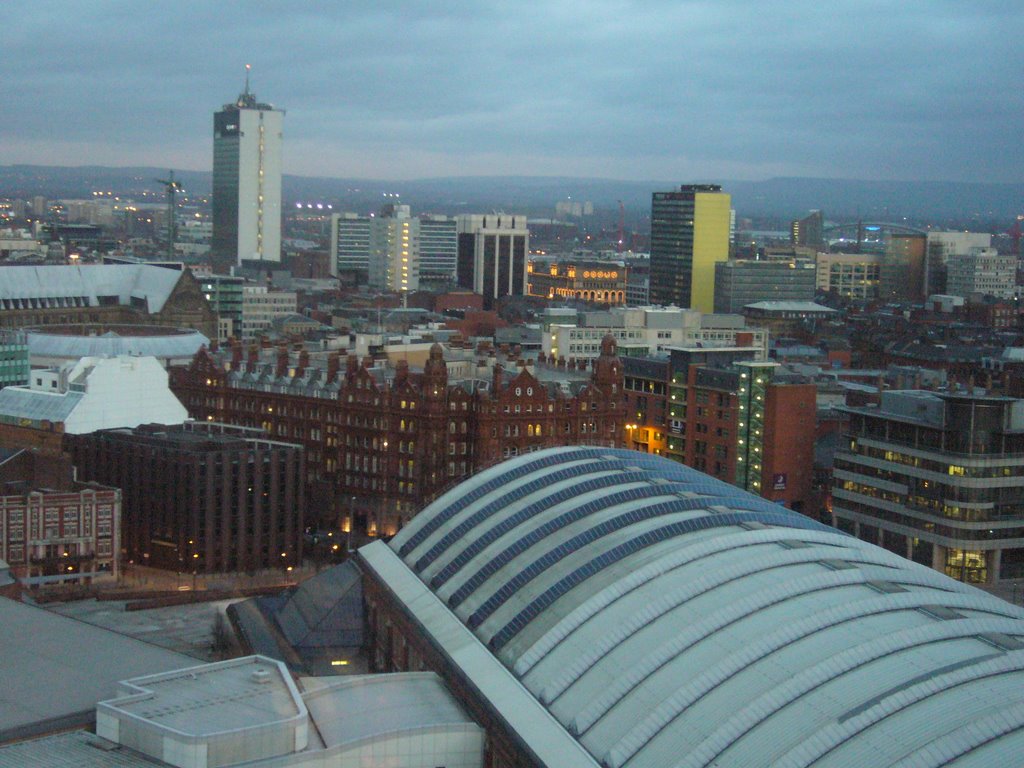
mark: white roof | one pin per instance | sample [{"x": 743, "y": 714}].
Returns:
[
  {"x": 790, "y": 306},
  {"x": 51, "y": 286},
  {"x": 351, "y": 709},
  {"x": 666, "y": 618},
  {"x": 173, "y": 344},
  {"x": 202, "y": 700}
]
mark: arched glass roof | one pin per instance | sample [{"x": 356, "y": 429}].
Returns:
[{"x": 665, "y": 618}]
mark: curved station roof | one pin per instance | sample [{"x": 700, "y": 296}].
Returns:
[
  {"x": 664, "y": 618},
  {"x": 152, "y": 341}
]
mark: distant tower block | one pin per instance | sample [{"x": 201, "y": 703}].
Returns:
[{"x": 247, "y": 138}]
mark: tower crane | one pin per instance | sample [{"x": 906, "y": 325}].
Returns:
[
  {"x": 622, "y": 225},
  {"x": 172, "y": 187}
]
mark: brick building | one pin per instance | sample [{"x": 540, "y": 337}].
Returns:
[
  {"x": 727, "y": 415},
  {"x": 382, "y": 442},
  {"x": 201, "y": 497},
  {"x": 53, "y": 528},
  {"x": 104, "y": 294}
]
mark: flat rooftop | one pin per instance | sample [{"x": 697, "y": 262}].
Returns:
[
  {"x": 212, "y": 698},
  {"x": 367, "y": 706},
  {"x": 55, "y": 669}
]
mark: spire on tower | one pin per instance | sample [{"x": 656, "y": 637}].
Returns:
[{"x": 247, "y": 98}]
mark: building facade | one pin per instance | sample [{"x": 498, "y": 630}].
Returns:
[
  {"x": 854, "y": 275},
  {"x": 940, "y": 248},
  {"x": 261, "y": 307},
  {"x": 224, "y": 292},
  {"x": 982, "y": 271},
  {"x": 14, "y": 358},
  {"x": 690, "y": 230},
  {"x": 808, "y": 231},
  {"x": 438, "y": 248},
  {"x": 937, "y": 478},
  {"x": 742, "y": 282},
  {"x": 597, "y": 282},
  {"x": 493, "y": 254},
  {"x": 54, "y": 529},
  {"x": 643, "y": 331},
  {"x": 350, "y": 246},
  {"x": 903, "y": 266},
  {"x": 201, "y": 497},
  {"x": 247, "y": 139},
  {"x": 394, "y": 250},
  {"x": 382, "y": 442}
]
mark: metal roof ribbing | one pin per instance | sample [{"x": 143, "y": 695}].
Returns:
[
  {"x": 727, "y": 636},
  {"x": 90, "y": 281},
  {"x": 22, "y": 403}
]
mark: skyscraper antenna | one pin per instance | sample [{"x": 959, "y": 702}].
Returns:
[{"x": 247, "y": 68}]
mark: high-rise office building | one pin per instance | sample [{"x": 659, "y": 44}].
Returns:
[
  {"x": 902, "y": 269},
  {"x": 394, "y": 257},
  {"x": 247, "y": 137},
  {"x": 438, "y": 246},
  {"x": 493, "y": 250},
  {"x": 350, "y": 246},
  {"x": 940, "y": 248},
  {"x": 393, "y": 251},
  {"x": 689, "y": 235},
  {"x": 808, "y": 231}
]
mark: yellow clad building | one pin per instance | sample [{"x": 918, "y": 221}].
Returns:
[{"x": 690, "y": 230}]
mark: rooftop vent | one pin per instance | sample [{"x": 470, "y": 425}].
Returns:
[{"x": 261, "y": 676}]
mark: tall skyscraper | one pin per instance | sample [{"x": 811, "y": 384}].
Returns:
[
  {"x": 689, "y": 235},
  {"x": 493, "y": 251},
  {"x": 247, "y": 138}
]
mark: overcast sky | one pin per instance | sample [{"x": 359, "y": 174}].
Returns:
[{"x": 653, "y": 89}]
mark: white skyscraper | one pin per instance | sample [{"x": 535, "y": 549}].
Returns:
[{"x": 247, "y": 137}]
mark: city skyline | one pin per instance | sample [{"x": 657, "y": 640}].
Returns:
[{"x": 918, "y": 91}]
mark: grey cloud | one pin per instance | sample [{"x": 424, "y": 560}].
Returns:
[{"x": 916, "y": 89}]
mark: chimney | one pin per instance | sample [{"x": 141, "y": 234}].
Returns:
[
  {"x": 303, "y": 363},
  {"x": 282, "y": 362},
  {"x": 333, "y": 366},
  {"x": 236, "y": 355},
  {"x": 254, "y": 358}
]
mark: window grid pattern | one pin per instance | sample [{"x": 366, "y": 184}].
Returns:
[
  {"x": 500, "y": 504},
  {"x": 435, "y": 521},
  {"x": 511, "y": 522},
  {"x": 502, "y": 559},
  {"x": 614, "y": 555}
]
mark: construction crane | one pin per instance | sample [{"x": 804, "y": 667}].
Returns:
[
  {"x": 173, "y": 188},
  {"x": 1015, "y": 235},
  {"x": 622, "y": 225}
]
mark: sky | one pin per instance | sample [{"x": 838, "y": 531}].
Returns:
[{"x": 646, "y": 90}]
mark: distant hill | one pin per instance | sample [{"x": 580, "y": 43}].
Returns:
[{"x": 784, "y": 198}]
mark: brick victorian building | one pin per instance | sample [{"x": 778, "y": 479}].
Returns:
[{"x": 382, "y": 442}]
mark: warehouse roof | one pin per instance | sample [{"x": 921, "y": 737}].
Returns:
[
  {"x": 55, "y": 669},
  {"x": 88, "y": 285},
  {"x": 666, "y": 618}
]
